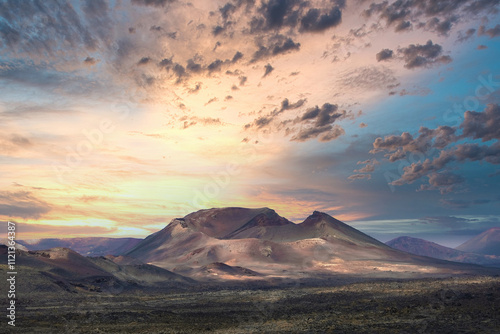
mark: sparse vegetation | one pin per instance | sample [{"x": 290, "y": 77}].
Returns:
[{"x": 453, "y": 305}]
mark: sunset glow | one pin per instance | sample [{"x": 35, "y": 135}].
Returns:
[{"x": 117, "y": 116}]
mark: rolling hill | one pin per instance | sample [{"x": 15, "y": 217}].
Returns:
[
  {"x": 90, "y": 246},
  {"x": 426, "y": 248}
]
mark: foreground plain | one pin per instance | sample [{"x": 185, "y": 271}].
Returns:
[{"x": 432, "y": 305}]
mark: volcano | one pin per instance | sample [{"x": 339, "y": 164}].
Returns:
[{"x": 259, "y": 242}]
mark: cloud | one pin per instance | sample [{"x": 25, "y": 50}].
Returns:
[
  {"x": 144, "y": 61},
  {"x": 318, "y": 122},
  {"x": 206, "y": 121},
  {"x": 46, "y": 230},
  {"x": 429, "y": 54},
  {"x": 476, "y": 125},
  {"x": 327, "y": 132},
  {"x": 90, "y": 61},
  {"x": 450, "y": 221},
  {"x": 360, "y": 177},
  {"x": 22, "y": 204},
  {"x": 276, "y": 15},
  {"x": 462, "y": 204},
  {"x": 314, "y": 21},
  {"x": 442, "y": 27},
  {"x": 368, "y": 77},
  {"x": 153, "y": 3},
  {"x": 445, "y": 182},
  {"x": 53, "y": 28},
  {"x": 384, "y": 55},
  {"x": 468, "y": 34},
  {"x": 269, "y": 69},
  {"x": 276, "y": 45},
  {"x": 492, "y": 32},
  {"x": 270, "y": 117},
  {"x": 482, "y": 125},
  {"x": 369, "y": 166},
  {"x": 440, "y": 15}
]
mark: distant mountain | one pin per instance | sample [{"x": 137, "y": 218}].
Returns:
[
  {"x": 92, "y": 246},
  {"x": 487, "y": 242},
  {"x": 260, "y": 242},
  {"x": 426, "y": 248}
]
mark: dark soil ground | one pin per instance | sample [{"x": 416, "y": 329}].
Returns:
[{"x": 452, "y": 305}]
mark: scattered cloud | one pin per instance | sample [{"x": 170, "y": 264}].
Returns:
[
  {"x": 492, "y": 32},
  {"x": 268, "y": 70},
  {"x": 449, "y": 142},
  {"x": 429, "y": 54},
  {"x": 384, "y": 55}
]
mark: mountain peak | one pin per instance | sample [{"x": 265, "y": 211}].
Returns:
[
  {"x": 224, "y": 222},
  {"x": 487, "y": 243}
]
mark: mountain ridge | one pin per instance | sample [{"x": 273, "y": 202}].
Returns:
[{"x": 427, "y": 248}]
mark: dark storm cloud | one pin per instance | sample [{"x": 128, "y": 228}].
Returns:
[
  {"x": 153, "y": 3},
  {"x": 22, "y": 204},
  {"x": 492, "y": 32},
  {"x": 384, "y": 54},
  {"x": 416, "y": 55}
]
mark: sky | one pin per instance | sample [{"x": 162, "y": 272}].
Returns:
[{"x": 117, "y": 116}]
